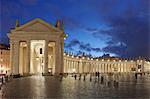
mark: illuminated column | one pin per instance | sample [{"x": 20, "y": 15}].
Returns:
[
  {"x": 123, "y": 67},
  {"x": 104, "y": 68},
  {"x": 67, "y": 65},
  {"x": 108, "y": 67},
  {"x": 16, "y": 58},
  {"x": 12, "y": 56},
  {"x": 100, "y": 67},
  {"x": 46, "y": 57},
  {"x": 82, "y": 66},
  {"x": 28, "y": 57},
  {"x": 94, "y": 67},
  {"x": 85, "y": 67},
  {"x": 72, "y": 65},
  {"x": 78, "y": 66},
  {"x": 91, "y": 67},
  {"x": 64, "y": 65},
  {"x": 58, "y": 67},
  {"x": 118, "y": 67},
  {"x": 127, "y": 67}
]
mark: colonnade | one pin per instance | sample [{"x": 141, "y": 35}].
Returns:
[{"x": 89, "y": 65}]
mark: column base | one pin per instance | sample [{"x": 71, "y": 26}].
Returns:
[
  {"x": 47, "y": 74},
  {"x": 16, "y": 75}
]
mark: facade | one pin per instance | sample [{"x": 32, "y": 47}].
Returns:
[
  {"x": 4, "y": 59},
  {"x": 38, "y": 47}
]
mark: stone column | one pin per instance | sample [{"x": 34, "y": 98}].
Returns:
[
  {"x": 46, "y": 57},
  {"x": 12, "y": 56},
  {"x": 67, "y": 66},
  {"x": 16, "y": 58},
  {"x": 58, "y": 58},
  {"x": 64, "y": 65},
  {"x": 78, "y": 65},
  {"x": 28, "y": 57},
  {"x": 62, "y": 55}
]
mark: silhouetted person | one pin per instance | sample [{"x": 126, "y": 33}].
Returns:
[
  {"x": 98, "y": 74},
  {"x": 79, "y": 76},
  {"x": 2, "y": 80},
  {"x": 116, "y": 84},
  {"x": 84, "y": 78},
  {"x": 135, "y": 75},
  {"x": 75, "y": 76},
  {"x": 102, "y": 79},
  {"x": 90, "y": 78}
]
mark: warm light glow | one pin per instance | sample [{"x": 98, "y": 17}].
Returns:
[
  {"x": 37, "y": 58},
  {"x": 1, "y": 59},
  {"x": 139, "y": 70},
  {"x": 73, "y": 70}
]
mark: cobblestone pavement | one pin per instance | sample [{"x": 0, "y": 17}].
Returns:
[{"x": 50, "y": 87}]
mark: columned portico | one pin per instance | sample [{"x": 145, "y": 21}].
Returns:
[{"x": 36, "y": 47}]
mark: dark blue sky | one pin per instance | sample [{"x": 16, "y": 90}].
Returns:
[{"x": 117, "y": 27}]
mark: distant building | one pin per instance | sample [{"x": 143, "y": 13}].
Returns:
[{"x": 4, "y": 59}]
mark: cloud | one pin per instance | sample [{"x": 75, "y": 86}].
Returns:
[
  {"x": 81, "y": 46},
  {"x": 128, "y": 23},
  {"x": 133, "y": 33},
  {"x": 117, "y": 48}
]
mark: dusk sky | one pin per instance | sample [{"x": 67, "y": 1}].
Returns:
[{"x": 116, "y": 27}]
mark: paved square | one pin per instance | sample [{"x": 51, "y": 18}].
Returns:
[{"x": 51, "y": 87}]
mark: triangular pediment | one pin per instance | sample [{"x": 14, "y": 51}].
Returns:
[{"x": 37, "y": 25}]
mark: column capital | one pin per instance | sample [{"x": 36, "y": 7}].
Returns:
[
  {"x": 11, "y": 42},
  {"x": 16, "y": 41}
]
